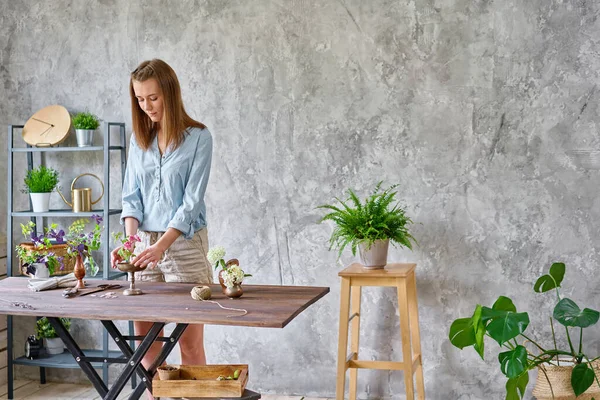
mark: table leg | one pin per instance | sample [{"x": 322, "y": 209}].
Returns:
[
  {"x": 343, "y": 339},
  {"x": 79, "y": 356},
  {"x": 135, "y": 362},
  {"x": 166, "y": 350}
]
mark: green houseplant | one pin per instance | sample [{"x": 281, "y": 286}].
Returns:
[
  {"x": 507, "y": 327},
  {"x": 39, "y": 183},
  {"x": 43, "y": 330},
  {"x": 85, "y": 123},
  {"x": 369, "y": 226}
]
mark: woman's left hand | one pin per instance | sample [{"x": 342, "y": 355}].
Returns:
[{"x": 149, "y": 257}]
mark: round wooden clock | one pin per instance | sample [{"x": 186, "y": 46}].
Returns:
[{"x": 47, "y": 127}]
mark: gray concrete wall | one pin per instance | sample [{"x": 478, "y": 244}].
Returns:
[{"x": 471, "y": 106}]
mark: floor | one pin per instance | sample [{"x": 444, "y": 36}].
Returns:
[{"x": 32, "y": 390}]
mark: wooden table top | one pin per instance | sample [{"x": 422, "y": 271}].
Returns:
[
  {"x": 389, "y": 271},
  {"x": 268, "y": 306}
]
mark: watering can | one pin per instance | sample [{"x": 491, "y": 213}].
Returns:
[{"x": 82, "y": 197}]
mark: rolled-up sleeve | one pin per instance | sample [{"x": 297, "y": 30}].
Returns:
[
  {"x": 193, "y": 198},
  {"x": 133, "y": 205}
]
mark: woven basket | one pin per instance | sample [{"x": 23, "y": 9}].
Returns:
[
  {"x": 59, "y": 250},
  {"x": 560, "y": 378}
]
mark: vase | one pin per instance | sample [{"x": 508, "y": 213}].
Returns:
[
  {"x": 374, "y": 256},
  {"x": 41, "y": 271},
  {"x": 79, "y": 272},
  {"x": 221, "y": 281},
  {"x": 558, "y": 382},
  {"x": 54, "y": 345},
  {"x": 131, "y": 270},
  {"x": 234, "y": 292}
]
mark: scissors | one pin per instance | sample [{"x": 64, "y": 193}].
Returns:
[{"x": 68, "y": 293}]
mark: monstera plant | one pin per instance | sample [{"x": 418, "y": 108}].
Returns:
[{"x": 507, "y": 327}]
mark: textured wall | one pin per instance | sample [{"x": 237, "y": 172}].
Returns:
[{"x": 472, "y": 106}]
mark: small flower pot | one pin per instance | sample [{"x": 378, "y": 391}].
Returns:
[
  {"x": 54, "y": 345},
  {"x": 40, "y": 202},
  {"x": 168, "y": 373},
  {"x": 85, "y": 137}
]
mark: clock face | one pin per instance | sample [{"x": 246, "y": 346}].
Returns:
[{"x": 47, "y": 127}]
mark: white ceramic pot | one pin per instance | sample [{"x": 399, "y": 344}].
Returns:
[
  {"x": 41, "y": 271},
  {"x": 40, "y": 201},
  {"x": 85, "y": 137},
  {"x": 54, "y": 345},
  {"x": 375, "y": 256}
]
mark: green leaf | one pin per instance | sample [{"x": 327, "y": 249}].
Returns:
[
  {"x": 504, "y": 325},
  {"x": 479, "y": 327},
  {"x": 551, "y": 280},
  {"x": 504, "y": 304},
  {"x": 582, "y": 378},
  {"x": 513, "y": 362},
  {"x": 569, "y": 314},
  {"x": 515, "y": 387},
  {"x": 462, "y": 333}
]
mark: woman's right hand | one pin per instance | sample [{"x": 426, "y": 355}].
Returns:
[{"x": 115, "y": 258}]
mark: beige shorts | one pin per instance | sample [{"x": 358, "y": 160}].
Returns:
[{"x": 185, "y": 261}]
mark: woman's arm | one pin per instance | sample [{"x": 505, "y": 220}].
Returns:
[
  {"x": 133, "y": 205},
  {"x": 195, "y": 188}
]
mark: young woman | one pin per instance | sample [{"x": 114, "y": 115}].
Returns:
[{"x": 163, "y": 193}]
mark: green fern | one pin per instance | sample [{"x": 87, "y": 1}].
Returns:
[
  {"x": 375, "y": 219},
  {"x": 40, "y": 180}
]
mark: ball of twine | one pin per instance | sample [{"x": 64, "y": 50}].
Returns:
[{"x": 201, "y": 293}]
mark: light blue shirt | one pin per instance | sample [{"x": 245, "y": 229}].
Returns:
[{"x": 168, "y": 191}]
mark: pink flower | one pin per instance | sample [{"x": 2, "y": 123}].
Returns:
[
  {"x": 128, "y": 245},
  {"x": 134, "y": 238}
]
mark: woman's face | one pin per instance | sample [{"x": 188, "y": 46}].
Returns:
[{"x": 150, "y": 98}]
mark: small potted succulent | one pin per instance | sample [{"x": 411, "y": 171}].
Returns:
[
  {"x": 39, "y": 183},
  {"x": 85, "y": 124},
  {"x": 231, "y": 275},
  {"x": 52, "y": 343},
  {"x": 369, "y": 226}
]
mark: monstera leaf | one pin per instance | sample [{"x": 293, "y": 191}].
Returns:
[
  {"x": 514, "y": 362},
  {"x": 466, "y": 332},
  {"x": 569, "y": 314},
  {"x": 582, "y": 378},
  {"x": 551, "y": 280},
  {"x": 504, "y": 322},
  {"x": 515, "y": 387}
]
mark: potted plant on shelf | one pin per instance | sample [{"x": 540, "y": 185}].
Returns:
[
  {"x": 562, "y": 373},
  {"x": 85, "y": 124},
  {"x": 231, "y": 275},
  {"x": 369, "y": 226},
  {"x": 43, "y": 330},
  {"x": 81, "y": 244},
  {"x": 45, "y": 254},
  {"x": 39, "y": 183}
]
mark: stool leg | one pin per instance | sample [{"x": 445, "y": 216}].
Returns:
[
  {"x": 355, "y": 334},
  {"x": 343, "y": 338},
  {"x": 405, "y": 333},
  {"x": 416, "y": 334}
]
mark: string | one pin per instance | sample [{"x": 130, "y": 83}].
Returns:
[{"x": 203, "y": 293}]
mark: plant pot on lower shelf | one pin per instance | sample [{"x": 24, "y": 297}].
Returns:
[
  {"x": 54, "y": 346},
  {"x": 194, "y": 379},
  {"x": 168, "y": 372}
]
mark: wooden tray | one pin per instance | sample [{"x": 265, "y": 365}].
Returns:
[{"x": 201, "y": 381}]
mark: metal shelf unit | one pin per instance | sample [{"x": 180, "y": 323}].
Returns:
[{"x": 65, "y": 360}]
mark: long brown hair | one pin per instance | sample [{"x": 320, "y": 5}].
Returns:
[{"x": 175, "y": 120}]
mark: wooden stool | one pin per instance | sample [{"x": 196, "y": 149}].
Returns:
[{"x": 401, "y": 276}]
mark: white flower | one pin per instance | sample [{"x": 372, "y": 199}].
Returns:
[
  {"x": 215, "y": 254},
  {"x": 233, "y": 275}
]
